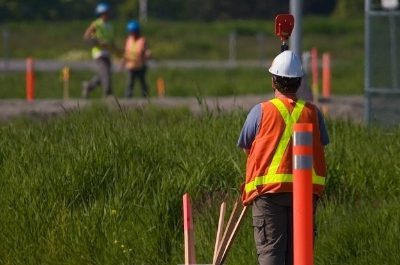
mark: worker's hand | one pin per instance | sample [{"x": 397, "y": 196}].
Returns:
[
  {"x": 92, "y": 41},
  {"x": 147, "y": 54},
  {"x": 105, "y": 45},
  {"x": 121, "y": 66},
  {"x": 118, "y": 52},
  {"x": 242, "y": 187}
]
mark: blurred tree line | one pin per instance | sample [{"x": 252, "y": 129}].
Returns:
[{"x": 171, "y": 9}]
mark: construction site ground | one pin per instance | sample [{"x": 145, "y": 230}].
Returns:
[{"x": 337, "y": 107}]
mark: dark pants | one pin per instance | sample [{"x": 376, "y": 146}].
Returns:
[
  {"x": 132, "y": 75},
  {"x": 273, "y": 228},
  {"x": 102, "y": 77}
]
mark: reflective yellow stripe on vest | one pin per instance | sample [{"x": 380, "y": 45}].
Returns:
[{"x": 272, "y": 177}]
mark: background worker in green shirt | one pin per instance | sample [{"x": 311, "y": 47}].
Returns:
[{"x": 100, "y": 35}]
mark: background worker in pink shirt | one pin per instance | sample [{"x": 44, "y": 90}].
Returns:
[{"x": 136, "y": 54}]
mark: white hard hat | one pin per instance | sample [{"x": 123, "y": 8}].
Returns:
[{"x": 286, "y": 64}]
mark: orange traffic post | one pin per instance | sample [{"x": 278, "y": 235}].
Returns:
[
  {"x": 314, "y": 72},
  {"x": 326, "y": 75},
  {"x": 160, "y": 87},
  {"x": 30, "y": 80},
  {"x": 302, "y": 194},
  {"x": 190, "y": 256},
  {"x": 65, "y": 79}
]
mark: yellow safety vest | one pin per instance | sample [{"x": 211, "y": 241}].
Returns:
[{"x": 104, "y": 33}]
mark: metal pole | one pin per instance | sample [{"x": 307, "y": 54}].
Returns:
[
  {"x": 232, "y": 47},
  {"x": 6, "y": 55},
  {"x": 261, "y": 45},
  {"x": 296, "y": 7},
  {"x": 143, "y": 10},
  {"x": 393, "y": 51},
  {"x": 367, "y": 114}
]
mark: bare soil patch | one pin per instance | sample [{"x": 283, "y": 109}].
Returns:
[{"x": 338, "y": 107}]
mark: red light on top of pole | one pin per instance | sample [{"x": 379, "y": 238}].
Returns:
[{"x": 284, "y": 24}]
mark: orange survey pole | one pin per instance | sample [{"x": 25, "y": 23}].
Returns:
[
  {"x": 65, "y": 79},
  {"x": 314, "y": 72},
  {"x": 30, "y": 80},
  {"x": 190, "y": 256},
  {"x": 326, "y": 75},
  {"x": 302, "y": 194},
  {"x": 160, "y": 87}
]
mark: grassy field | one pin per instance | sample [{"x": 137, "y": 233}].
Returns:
[
  {"x": 192, "y": 40},
  {"x": 178, "y": 82},
  {"x": 105, "y": 187}
]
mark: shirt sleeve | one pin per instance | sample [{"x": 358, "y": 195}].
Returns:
[
  {"x": 250, "y": 128},
  {"x": 322, "y": 129}
]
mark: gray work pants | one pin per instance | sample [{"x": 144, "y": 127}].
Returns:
[
  {"x": 102, "y": 76},
  {"x": 273, "y": 228}
]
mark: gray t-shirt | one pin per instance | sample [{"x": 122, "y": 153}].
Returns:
[{"x": 252, "y": 125}]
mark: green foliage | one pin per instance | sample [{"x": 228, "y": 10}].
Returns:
[
  {"x": 349, "y": 8},
  {"x": 128, "y": 9},
  {"x": 161, "y": 9},
  {"x": 103, "y": 186},
  {"x": 187, "y": 41}
]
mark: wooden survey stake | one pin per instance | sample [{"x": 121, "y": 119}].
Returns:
[
  {"x": 220, "y": 229},
  {"x": 232, "y": 227}
]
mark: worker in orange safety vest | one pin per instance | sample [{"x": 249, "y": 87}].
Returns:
[
  {"x": 136, "y": 54},
  {"x": 266, "y": 138}
]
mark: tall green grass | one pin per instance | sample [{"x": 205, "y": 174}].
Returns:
[{"x": 103, "y": 186}]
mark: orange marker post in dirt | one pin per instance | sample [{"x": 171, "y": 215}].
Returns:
[
  {"x": 190, "y": 256},
  {"x": 314, "y": 72},
  {"x": 65, "y": 79},
  {"x": 326, "y": 75},
  {"x": 302, "y": 194},
  {"x": 30, "y": 80},
  {"x": 160, "y": 87}
]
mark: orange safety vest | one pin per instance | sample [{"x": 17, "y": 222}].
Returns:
[
  {"x": 135, "y": 52},
  {"x": 269, "y": 164}
]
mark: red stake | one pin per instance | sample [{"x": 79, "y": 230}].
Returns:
[
  {"x": 30, "y": 80},
  {"x": 190, "y": 256},
  {"x": 326, "y": 75}
]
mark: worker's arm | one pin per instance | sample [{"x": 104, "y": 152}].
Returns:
[
  {"x": 250, "y": 129},
  {"x": 147, "y": 51},
  {"x": 89, "y": 32},
  {"x": 122, "y": 64},
  {"x": 322, "y": 129}
]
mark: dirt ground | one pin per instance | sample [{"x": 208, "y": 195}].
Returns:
[{"x": 338, "y": 107}]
